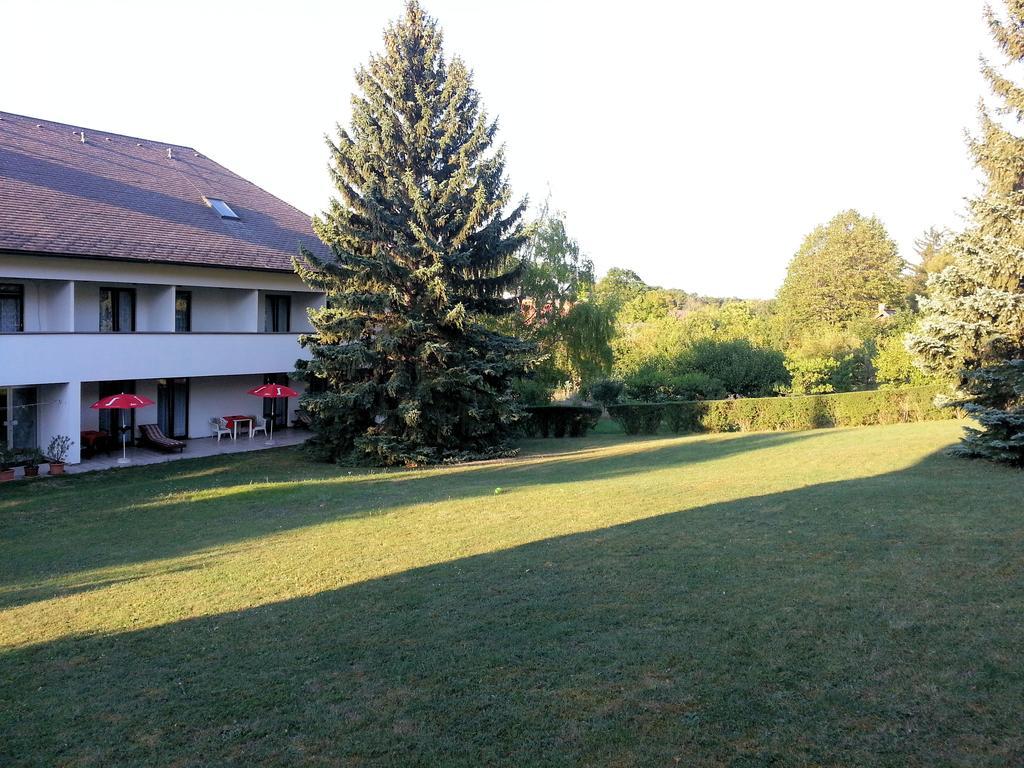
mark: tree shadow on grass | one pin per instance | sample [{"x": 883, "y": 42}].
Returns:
[
  {"x": 866, "y": 622},
  {"x": 144, "y": 514}
]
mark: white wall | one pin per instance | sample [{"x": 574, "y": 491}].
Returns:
[
  {"x": 90, "y": 419},
  {"x": 31, "y": 359},
  {"x": 209, "y": 397},
  {"x": 57, "y": 306},
  {"x": 59, "y": 414},
  {"x": 87, "y": 307},
  {"x": 223, "y": 309},
  {"x": 48, "y": 304},
  {"x": 301, "y": 304},
  {"x": 154, "y": 308}
]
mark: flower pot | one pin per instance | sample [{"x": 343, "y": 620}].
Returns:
[
  {"x": 31, "y": 471},
  {"x": 56, "y": 467},
  {"x": 6, "y": 475}
]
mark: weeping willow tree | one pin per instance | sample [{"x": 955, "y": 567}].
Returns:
[
  {"x": 973, "y": 329},
  {"x": 572, "y": 332},
  {"x": 423, "y": 235}
]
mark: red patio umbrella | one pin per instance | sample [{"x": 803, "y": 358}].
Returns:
[
  {"x": 118, "y": 402},
  {"x": 275, "y": 391}
]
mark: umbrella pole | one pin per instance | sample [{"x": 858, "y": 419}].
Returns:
[
  {"x": 270, "y": 437},
  {"x": 124, "y": 441}
]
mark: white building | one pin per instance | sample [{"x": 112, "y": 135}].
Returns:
[{"x": 129, "y": 265}]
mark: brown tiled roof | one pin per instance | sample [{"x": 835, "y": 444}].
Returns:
[{"x": 120, "y": 197}]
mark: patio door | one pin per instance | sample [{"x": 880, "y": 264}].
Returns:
[
  {"x": 110, "y": 420},
  {"x": 18, "y": 418},
  {"x": 172, "y": 407},
  {"x": 276, "y": 406}
]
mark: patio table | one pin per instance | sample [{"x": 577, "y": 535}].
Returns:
[
  {"x": 94, "y": 441},
  {"x": 232, "y": 422}
]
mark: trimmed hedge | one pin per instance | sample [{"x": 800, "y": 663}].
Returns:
[
  {"x": 561, "y": 420},
  {"x": 638, "y": 418},
  {"x": 765, "y": 414}
]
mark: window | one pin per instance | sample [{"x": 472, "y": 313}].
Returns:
[
  {"x": 12, "y": 308},
  {"x": 117, "y": 310},
  {"x": 277, "y": 314},
  {"x": 221, "y": 207},
  {"x": 182, "y": 312},
  {"x": 18, "y": 406}
]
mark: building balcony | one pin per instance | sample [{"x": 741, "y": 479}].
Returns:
[{"x": 42, "y": 358}]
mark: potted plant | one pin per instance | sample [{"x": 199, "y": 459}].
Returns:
[
  {"x": 7, "y": 462},
  {"x": 32, "y": 462},
  {"x": 57, "y": 451}
]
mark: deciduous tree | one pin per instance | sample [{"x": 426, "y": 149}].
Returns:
[{"x": 842, "y": 272}]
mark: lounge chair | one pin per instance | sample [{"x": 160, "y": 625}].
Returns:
[{"x": 152, "y": 435}]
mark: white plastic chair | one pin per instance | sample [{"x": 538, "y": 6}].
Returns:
[
  {"x": 220, "y": 427},
  {"x": 260, "y": 425}
]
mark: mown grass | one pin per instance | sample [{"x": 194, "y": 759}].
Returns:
[{"x": 838, "y": 597}]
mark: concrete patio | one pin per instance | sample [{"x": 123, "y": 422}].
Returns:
[{"x": 194, "y": 449}]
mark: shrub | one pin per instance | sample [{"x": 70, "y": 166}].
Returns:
[
  {"x": 605, "y": 391},
  {"x": 695, "y": 385},
  {"x": 532, "y": 392},
  {"x": 651, "y": 385},
  {"x": 894, "y": 366},
  {"x": 561, "y": 420},
  {"x": 737, "y": 365},
  {"x": 57, "y": 450},
  {"x": 881, "y": 406},
  {"x": 813, "y": 375},
  {"x": 647, "y": 385}
]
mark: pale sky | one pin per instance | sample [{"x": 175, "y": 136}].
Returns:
[{"x": 694, "y": 142}]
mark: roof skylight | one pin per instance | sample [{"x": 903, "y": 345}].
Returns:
[{"x": 221, "y": 207}]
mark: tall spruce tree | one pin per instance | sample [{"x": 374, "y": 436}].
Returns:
[
  {"x": 973, "y": 327},
  {"x": 402, "y": 370}
]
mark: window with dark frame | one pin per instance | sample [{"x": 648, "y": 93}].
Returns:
[
  {"x": 12, "y": 308},
  {"x": 117, "y": 310},
  {"x": 182, "y": 311},
  {"x": 277, "y": 314}
]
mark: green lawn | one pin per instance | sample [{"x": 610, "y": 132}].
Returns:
[{"x": 837, "y": 597}]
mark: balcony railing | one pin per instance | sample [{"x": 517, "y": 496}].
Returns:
[{"x": 42, "y": 358}]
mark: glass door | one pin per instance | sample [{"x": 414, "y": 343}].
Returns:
[
  {"x": 117, "y": 310},
  {"x": 111, "y": 419},
  {"x": 276, "y": 408},
  {"x": 277, "y": 312},
  {"x": 18, "y": 418},
  {"x": 172, "y": 407}
]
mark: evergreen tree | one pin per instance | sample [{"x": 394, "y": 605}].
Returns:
[
  {"x": 403, "y": 369},
  {"x": 973, "y": 329},
  {"x": 842, "y": 272}
]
